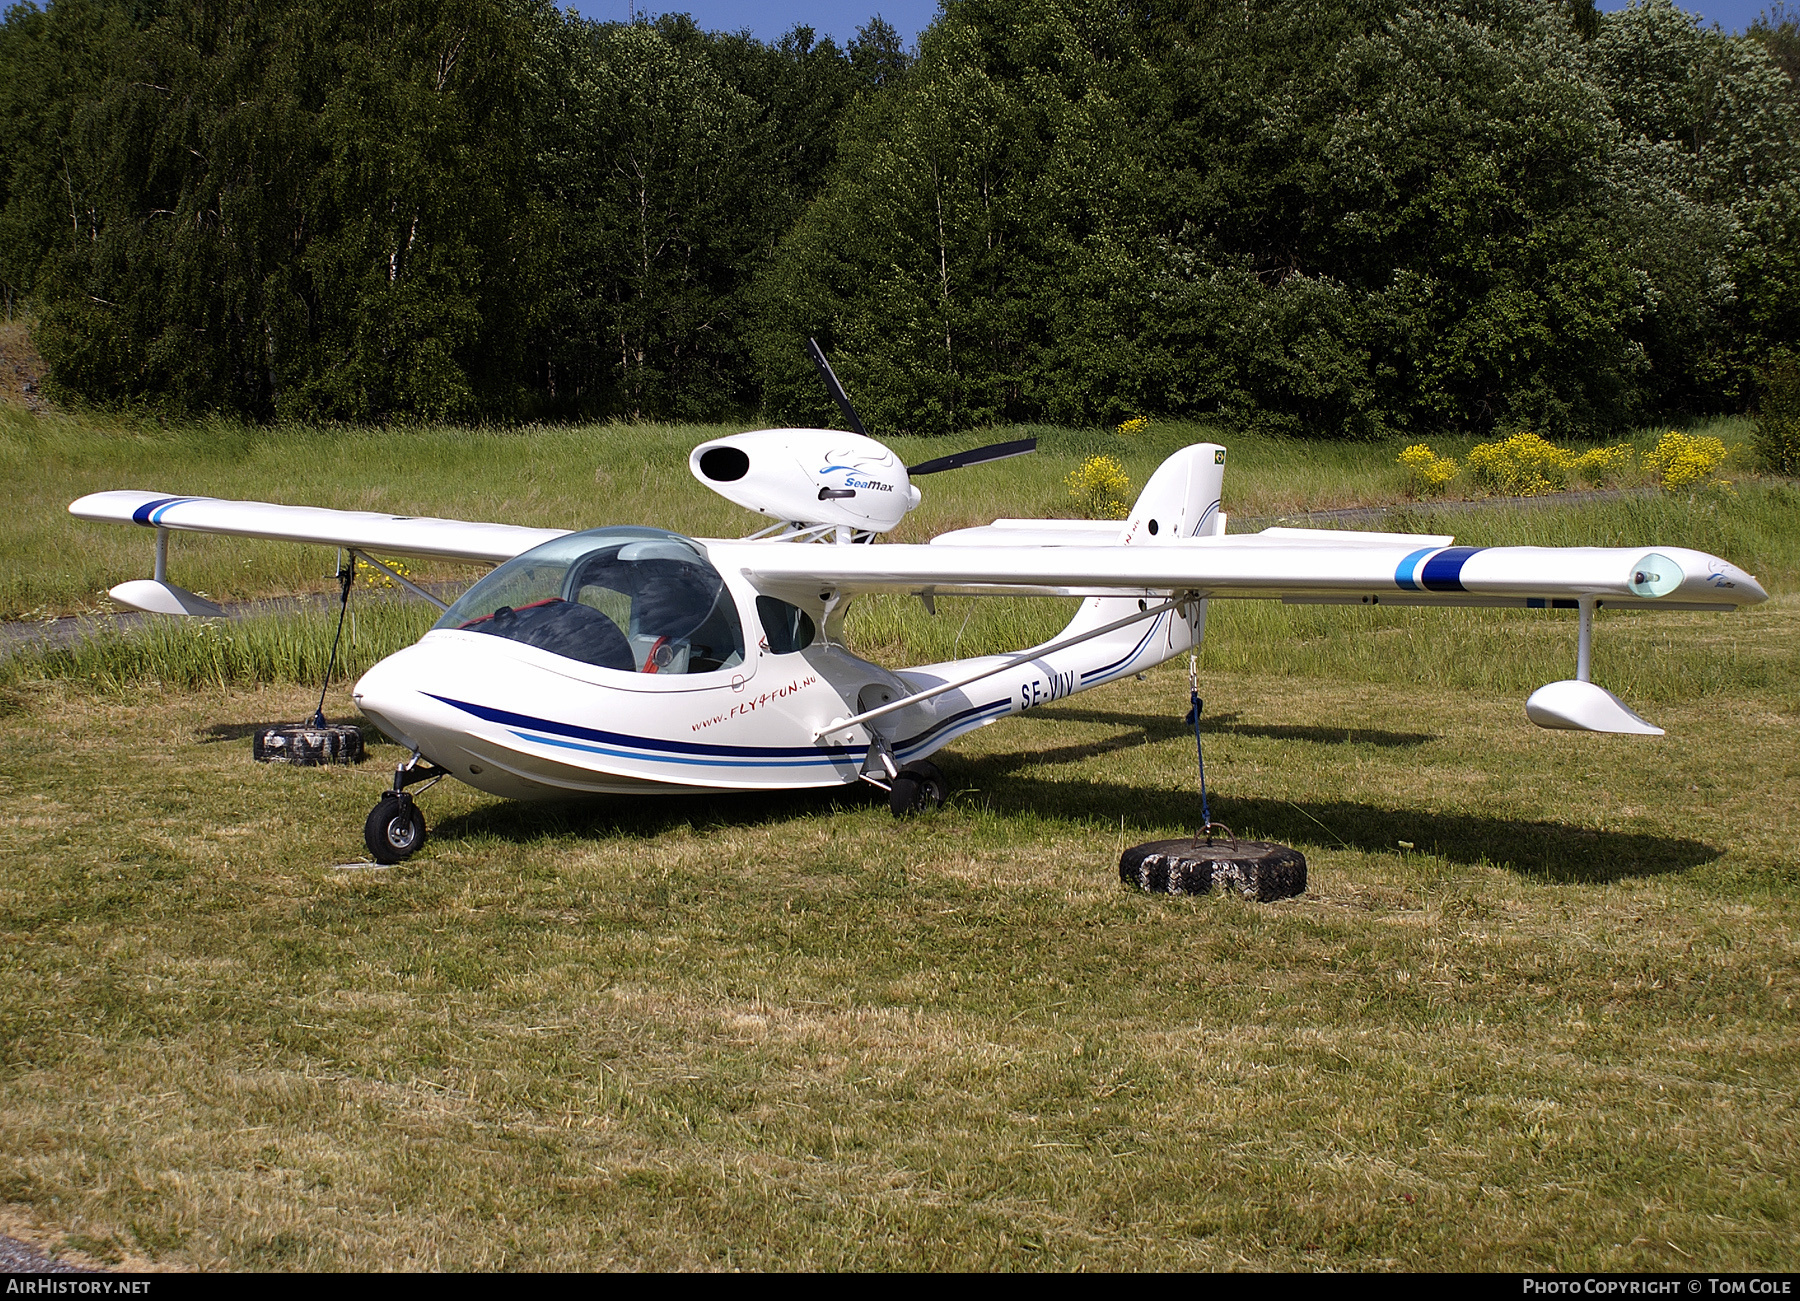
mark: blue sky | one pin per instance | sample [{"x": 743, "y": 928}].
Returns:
[{"x": 768, "y": 19}]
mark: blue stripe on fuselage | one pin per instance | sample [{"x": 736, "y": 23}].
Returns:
[
  {"x": 619, "y": 745},
  {"x": 1130, "y": 655}
]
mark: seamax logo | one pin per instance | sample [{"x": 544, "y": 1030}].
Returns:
[{"x": 857, "y": 470}]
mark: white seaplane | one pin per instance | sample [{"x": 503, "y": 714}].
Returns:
[{"x": 636, "y": 661}]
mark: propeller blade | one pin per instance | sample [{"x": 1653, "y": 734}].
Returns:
[
  {"x": 974, "y": 456},
  {"x": 833, "y": 387}
]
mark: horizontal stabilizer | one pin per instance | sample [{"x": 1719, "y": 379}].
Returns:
[
  {"x": 1353, "y": 538},
  {"x": 1034, "y": 533},
  {"x": 1102, "y": 532}
]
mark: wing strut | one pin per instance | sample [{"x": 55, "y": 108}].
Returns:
[
  {"x": 410, "y": 586},
  {"x": 1012, "y": 662}
]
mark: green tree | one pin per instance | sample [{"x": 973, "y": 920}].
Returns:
[
  {"x": 954, "y": 219},
  {"x": 50, "y": 62},
  {"x": 1703, "y": 181},
  {"x": 1777, "y": 30}
]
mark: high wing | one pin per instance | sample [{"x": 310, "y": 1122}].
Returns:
[
  {"x": 394, "y": 535},
  {"x": 1295, "y": 565}
]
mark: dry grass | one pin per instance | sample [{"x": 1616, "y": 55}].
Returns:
[
  {"x": 793, "y": 1033},
  {"x": 21, "y": 368}
]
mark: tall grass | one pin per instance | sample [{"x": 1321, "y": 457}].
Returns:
[
  {"x": 190, "y": 653},
  {"x": 565, "y": 477}
]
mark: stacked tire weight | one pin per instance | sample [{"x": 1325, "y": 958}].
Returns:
[
  {"x": 1255, "y": 869},
  {"x": 307, "y": 746}
]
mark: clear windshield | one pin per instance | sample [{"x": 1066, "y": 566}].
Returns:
[{"x": 633, "y": 599}]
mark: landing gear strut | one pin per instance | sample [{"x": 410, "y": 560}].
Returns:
[
  {"x": 915, "y": 788},
  {"x": 395, "y": 828},
  {"x": 918, "y": 788}
]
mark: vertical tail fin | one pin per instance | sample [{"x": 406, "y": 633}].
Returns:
[{"x": 1181, "y": 501}]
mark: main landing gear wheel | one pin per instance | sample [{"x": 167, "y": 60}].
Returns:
[
  {"x": 395, "y": 829},
  {"x": 917, "y": 788}
]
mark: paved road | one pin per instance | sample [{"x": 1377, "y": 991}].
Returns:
[
  {"x": 28, "y": 633},
  {"x": 22, "y": 1258}
]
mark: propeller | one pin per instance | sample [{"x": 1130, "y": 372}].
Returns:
[
  {"x": 957, "y": 461},
  {"x": 974, "y": 456},
  {"x": 833, "y": 387}
]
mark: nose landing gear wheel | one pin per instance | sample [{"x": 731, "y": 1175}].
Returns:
[
  {"x": 395, "y": 829},
  {"x": 917, "y": 788}
]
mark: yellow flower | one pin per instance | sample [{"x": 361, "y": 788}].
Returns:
[
  {"x": 1427, "y": 472},
  {"x": 1597, "y": 465},
  {"x": 1100, "y": 485},
  {"x": 1524, "y": 465},
  {"x": 1135, "y": 425},
  {"x": 1681, "y": 461},
  {"x": 369, "y": 576}
]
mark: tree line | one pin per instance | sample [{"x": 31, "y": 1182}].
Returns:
[{"x": 1344, "y": 218}]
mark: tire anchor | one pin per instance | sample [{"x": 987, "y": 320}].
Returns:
[{"x": 1193, "y": 720}]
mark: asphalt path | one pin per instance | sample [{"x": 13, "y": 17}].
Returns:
[
  {"x": 27, "y": 634},
  {"x": 22, "y": 1258}
]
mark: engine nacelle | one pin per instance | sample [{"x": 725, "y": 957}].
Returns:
[{"x": 809, "y": 476}]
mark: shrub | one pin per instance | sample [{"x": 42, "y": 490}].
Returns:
[
  {"x": 1100, "y": 486},
  {"x": 1601, "y": 464},
  {"x": 1680, "y": 461},
  {"x": 1426, "y": 472},
  {"x": 1526, "y": 465},
  {"x": 1778, "y": 418},
  {"x": 1523, "y": 465},
  {"x": 1135, "y": 425}
]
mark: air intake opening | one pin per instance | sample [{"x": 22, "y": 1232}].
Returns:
[{"x": 724, "y": 464}]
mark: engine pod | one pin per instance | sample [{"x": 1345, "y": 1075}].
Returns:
[{"x": 809, "y": 476}]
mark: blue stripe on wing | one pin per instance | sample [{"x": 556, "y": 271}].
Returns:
[
  {"x": 1443, "y": 572},
  {"x": 146, "y": 514}
]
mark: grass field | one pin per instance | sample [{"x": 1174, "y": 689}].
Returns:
[{"x": 1553, "y": 1029}]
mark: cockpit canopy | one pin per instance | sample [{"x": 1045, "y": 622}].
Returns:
[{"x": 639, "y": 600}]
